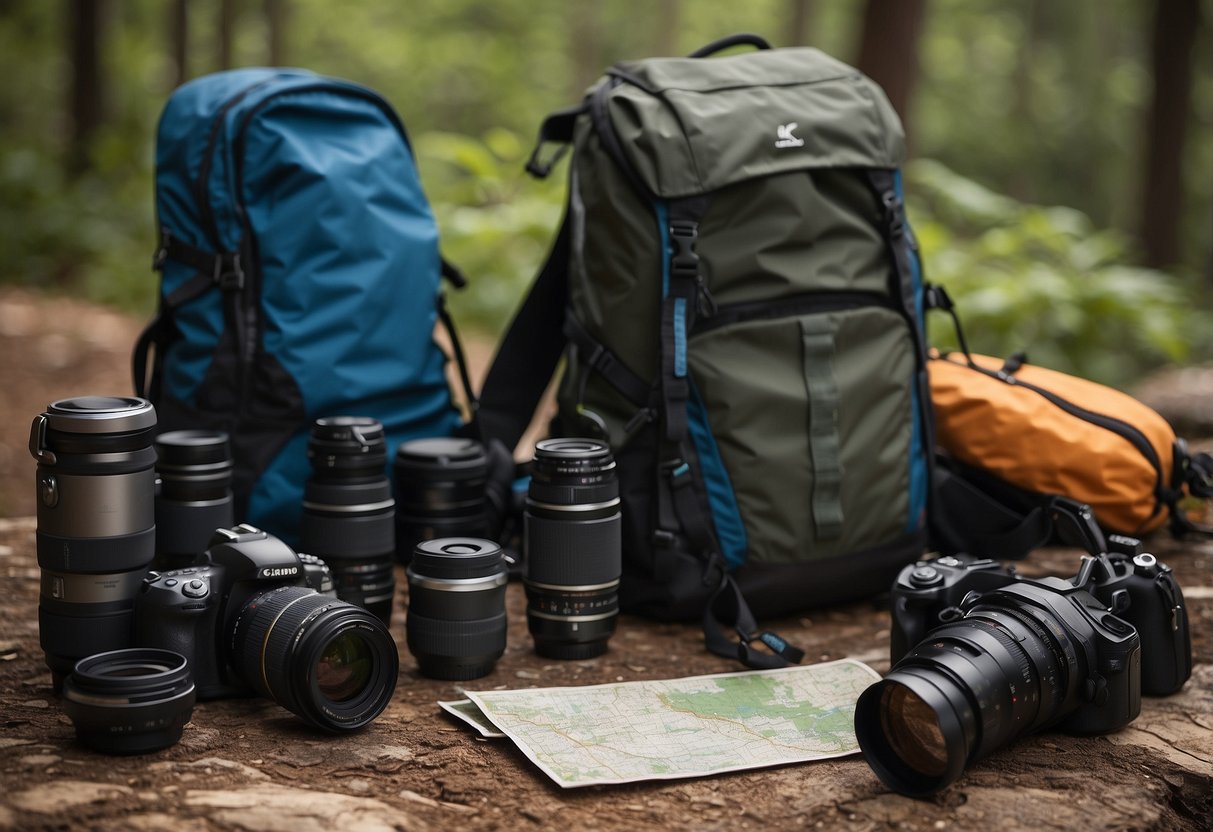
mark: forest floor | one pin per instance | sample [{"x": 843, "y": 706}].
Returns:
[{"x": 247, "y": 764}]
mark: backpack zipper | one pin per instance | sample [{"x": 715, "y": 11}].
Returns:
[
  {"x": 790, "y": 307},
  {"x": 1117, "y": 426}
]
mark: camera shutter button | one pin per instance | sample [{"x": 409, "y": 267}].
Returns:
[
  {"x": 195, "y": 588},
  {"x": 925, "y": 576}
]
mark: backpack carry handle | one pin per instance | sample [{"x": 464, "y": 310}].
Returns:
[{"x": 739, "y": 39}]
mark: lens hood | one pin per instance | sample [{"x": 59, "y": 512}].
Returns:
[{"x": 131, "y": 701}]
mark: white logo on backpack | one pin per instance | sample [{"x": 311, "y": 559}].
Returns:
[{"x": 785, "y": 136}]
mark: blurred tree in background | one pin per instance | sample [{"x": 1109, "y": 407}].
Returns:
[{"x": 1105, "y": 108}]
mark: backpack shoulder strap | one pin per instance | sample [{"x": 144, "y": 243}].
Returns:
[{"x": 529, "y": 353}]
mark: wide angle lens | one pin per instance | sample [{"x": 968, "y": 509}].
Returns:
[
  {"x": 1009, "y": 667},
  {"x": 331, "y": 663},
  {"x": 456, "y": 624},
  {"x": 96, "y": 522}
]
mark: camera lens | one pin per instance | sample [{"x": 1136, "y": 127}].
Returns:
[
  {"x": 348, "y": 508},
  {"x": 96, "y": 522},
  {"x": 194, "y": 495},
  {"x": 1014, "y": 664},
  {"x": 440, "y": 491},
  {"x": 456, "y": 621},
  {"x": 331, "y": 663},
  {"x": 573, "y": 548},
  {"x": 130, "y": 701}
]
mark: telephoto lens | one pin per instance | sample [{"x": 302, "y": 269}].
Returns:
[
  {"x": 572, "y": 539},
  {"x": 440, "y": 492},
  {"x": 456, "y": 618},
  {"x": 348, "y": 509},
  {"x": 96, "y": 522},
  {"x": 193, "y": 495},
  {"x": 130, "y": 701},
  {"x": 1023, "y": 658},
  {"x": 329, "y": 662}
]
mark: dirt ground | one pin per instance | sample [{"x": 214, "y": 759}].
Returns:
[{"x": 248, "y": 764}]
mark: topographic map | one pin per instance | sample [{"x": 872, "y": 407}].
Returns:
[{"x": 666, "y": 729}]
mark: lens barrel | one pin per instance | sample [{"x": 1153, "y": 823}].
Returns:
[
  {"x": 193, "y": 496},
  {"x": 440, "y": 492},
  {"x": 96, "y": 522},
  {"x": 348, "y": 511},
  {"x": 130, "y": 701},
  {"x": 456, "y": 622},
  {"x": 972, "y": 686},
  {"x": 572, "y": 534},
  {"x": 331, "y": 663}
]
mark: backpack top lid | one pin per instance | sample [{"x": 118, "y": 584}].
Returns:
[{"x": 693, "y": 125}]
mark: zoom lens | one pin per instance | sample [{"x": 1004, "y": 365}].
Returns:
[
  {"x": 96, "y": 522},
  {"x": 456, "y": 622},
  {"x": 332, "y": 664},
  {"x": 130, "y": 701},
  {"x": 348, "y": 509},
  {"x": 193, "y": 496},
  {"x": 1009, "y": 667},
  {"x": 572, "y": 534},
  {"x": 440, "y": 492}
]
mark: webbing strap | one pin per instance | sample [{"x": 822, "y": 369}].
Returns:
[
  {"x": 825, "y": 450},
  {"x": 601, "y": 360},
  {"x": 727, "y": 604},
  {"x": 448, "y": 323},
  {"x": 529, "y": 353}
]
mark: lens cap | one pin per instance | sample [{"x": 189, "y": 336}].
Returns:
[
  {"x": 457, "y": 557},
  {"x": 100, "y": 414},
  {"x": 442, "y": 459},
  {"x": 130, "y": 701}
]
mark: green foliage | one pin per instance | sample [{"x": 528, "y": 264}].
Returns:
[
  {"x": 1045, "y": 280},
  {"x": 496, "y": 223},
  {"x": 1044, "y": 102}
]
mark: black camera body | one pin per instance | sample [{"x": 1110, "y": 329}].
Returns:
[
  {"x": 193, "y": 610},
  {"x": 1126, "y": 583}
]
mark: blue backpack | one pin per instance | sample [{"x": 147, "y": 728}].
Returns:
[{"x": 299, "y": 277}]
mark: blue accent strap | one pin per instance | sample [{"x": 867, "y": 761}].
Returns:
[
  {"x": 726, "y": 515},
  {"x": 825, "y": 449},
  {"x": 680, "y": 337}
]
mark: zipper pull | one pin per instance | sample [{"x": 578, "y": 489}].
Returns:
[{"x": 706, "y": 306}]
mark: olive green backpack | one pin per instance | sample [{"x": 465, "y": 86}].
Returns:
[{"x": 738, "y": 300}]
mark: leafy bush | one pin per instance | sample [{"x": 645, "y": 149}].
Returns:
[
  {"x": 1044, "y": 280},
  {"x": 496, "y": 222}
]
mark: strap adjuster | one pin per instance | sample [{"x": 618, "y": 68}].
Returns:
[
  {"x": 230, "y": 278},
  {"x": 676, "y": 471},
  {"x": 774, "y": 642}
]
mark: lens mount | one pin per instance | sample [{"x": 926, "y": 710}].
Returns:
[{"x": 130, "y": 701}]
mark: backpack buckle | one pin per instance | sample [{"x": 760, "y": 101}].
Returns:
[{"x": 231, "y": 278}]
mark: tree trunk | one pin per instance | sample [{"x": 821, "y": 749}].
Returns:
[
  {"x": 276, "y": 13},
  {"x": 888, "y": 49},
  {"x": 179, "y": 38},
  {"x": 800, "y": 17},
  {"x": 87, "y": 94},
  {"x": 1175, "y": 26},
  {"x": 584, "y": 45},
  {"x": 665, "y": 38},
  {"x": 227, "y": 28}
]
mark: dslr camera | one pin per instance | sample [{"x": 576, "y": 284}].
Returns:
[
  {"x": 982, "y": 656},
  {"x": 252, "y": 616}
]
